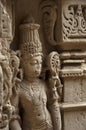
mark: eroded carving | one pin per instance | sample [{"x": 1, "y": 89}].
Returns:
[
  {"x": 6, "y": 75},
  {"x": 5, "y": 90},
  {"x": 48, "y": 9},
  {"x": 8, "y": 63},
  {"x": 5, "y": 71},
  {"x": 39, "y": 109},
  {"x": 5, "y": 22}
]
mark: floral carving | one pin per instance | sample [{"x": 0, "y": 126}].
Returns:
[{"x": 74, "y": 22}]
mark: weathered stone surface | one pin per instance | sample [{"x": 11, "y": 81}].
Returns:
[
  {"x": 42, "y": 82},
  {"x": 75, "y": 120}
]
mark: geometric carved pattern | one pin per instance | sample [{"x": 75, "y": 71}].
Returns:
[{"x": 74, "y": 22}]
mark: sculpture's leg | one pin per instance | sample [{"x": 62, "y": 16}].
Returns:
[{"x": 56, "y": 116}]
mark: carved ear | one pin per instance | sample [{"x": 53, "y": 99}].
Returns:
[{"x": 49, "y": 18}]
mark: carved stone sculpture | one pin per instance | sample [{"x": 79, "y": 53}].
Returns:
[
  {"x": 5, "y": 90},
  {"x": 54, "y": 67},
  {"x": 49, "y": 17},
  {"x": 39, "y": 109},
  {"x": 5, "y": 70},
  {"x": 31, "y": 78},
  {"x": 6, "y": 75}
]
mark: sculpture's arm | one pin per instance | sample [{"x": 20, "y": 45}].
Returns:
[
  {"x": 54, "y": 108},
  {"x": 15, "y": 121},
  {"x": 55, "y": 115},
  {"x": 55, "y": 88},
  {"x": 14, "y": 125}
]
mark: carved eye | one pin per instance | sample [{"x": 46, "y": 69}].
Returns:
[{"x": 33, "y": 62}]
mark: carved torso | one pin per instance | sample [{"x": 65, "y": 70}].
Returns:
[{"x": 33, "y": 101}]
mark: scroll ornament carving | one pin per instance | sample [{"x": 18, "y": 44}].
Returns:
[
  {"x": 48, "y": 9},
  {"x": 74, "y": 22},
  {"x": 39, "y": 109}
]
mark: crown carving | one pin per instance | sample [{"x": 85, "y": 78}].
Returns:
[{"x": 29, "y": 38}]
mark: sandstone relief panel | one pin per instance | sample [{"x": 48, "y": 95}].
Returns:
[
  {"x": 73, "y": 25},
  {"x": 74, "y": 22},
  {"x": 6, "y": 67},
  {"x": 43, "y": 87},
  {"x": 36, "y": 98}
]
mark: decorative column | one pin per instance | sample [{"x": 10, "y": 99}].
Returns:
[
  {"x": 73, "y": 57},
  {"x": 74, "y": 93}
]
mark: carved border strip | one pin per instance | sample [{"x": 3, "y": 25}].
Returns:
[
  {"x": 73, "y": 106},
  {"x": 72, "y": 73}
]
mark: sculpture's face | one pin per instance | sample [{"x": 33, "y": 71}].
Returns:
[{"x": 33, "y": 67}]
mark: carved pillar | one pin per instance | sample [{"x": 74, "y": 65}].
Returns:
[
  {"x": 73, "y": 45},
  {"x": 6, "y": 37},
  {"x": 74, "y": 97}
]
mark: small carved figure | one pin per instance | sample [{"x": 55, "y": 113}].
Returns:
[
  {"x": 54, "y": 67},
  {"x": 38, "y": 110}
]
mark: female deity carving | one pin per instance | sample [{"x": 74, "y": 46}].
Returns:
[{"x": 35, "y": 109}]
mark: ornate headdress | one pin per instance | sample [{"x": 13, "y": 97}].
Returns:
[{"x": 29, "y": 38}]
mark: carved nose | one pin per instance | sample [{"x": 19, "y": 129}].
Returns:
[{"x": 37, "y": 71}]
